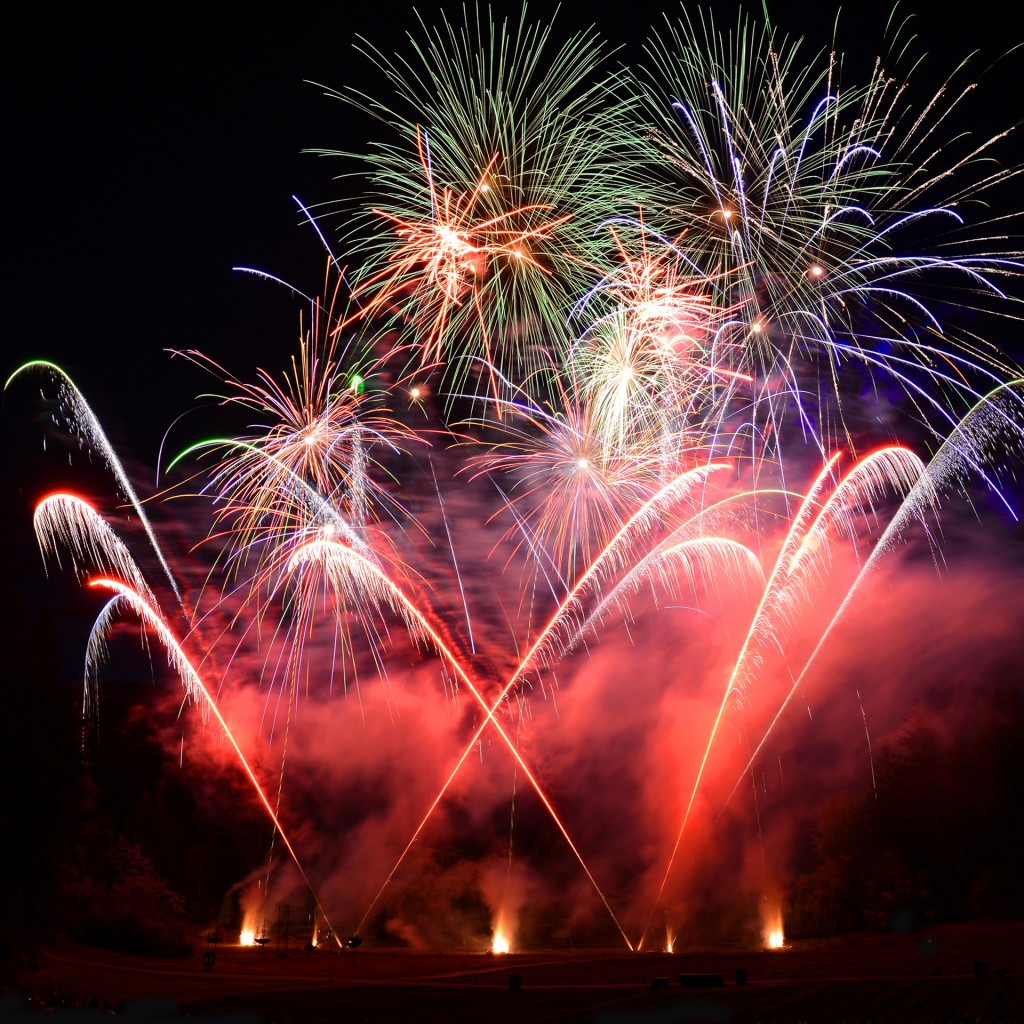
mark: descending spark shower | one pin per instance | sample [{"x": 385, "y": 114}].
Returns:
[{"x": 552, "y": 541}]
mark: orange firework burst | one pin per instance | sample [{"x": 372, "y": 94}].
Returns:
[
  {"x": 672, "y": 310},
  {"x": 444, "y": 262},
  {"x": 653, "y": 355},
  {"x": 572, "y": 484},
  {"x": 308, "y": 467}
]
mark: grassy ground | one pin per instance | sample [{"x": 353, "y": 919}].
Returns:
[{"x": 948, "y": 974}]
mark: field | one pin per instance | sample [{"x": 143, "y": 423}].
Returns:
[{"x": 948, "y": 974}]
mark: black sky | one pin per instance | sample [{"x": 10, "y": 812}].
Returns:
[{"x": 149, "y": 153}]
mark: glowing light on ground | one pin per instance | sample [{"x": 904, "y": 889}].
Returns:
[{"x": 771, "y": 924}]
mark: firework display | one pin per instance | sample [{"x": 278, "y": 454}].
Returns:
[{"x": 633, "y": 382}]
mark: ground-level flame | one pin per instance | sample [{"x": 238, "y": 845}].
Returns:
[{"x": 771, "y": 924}]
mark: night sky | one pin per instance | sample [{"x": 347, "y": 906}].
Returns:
[
  {"x": 150, "y": 153},
  {"x": 148, "y": 156}
]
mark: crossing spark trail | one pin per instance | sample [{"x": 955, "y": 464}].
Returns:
[{"x": 663, "y": 324}]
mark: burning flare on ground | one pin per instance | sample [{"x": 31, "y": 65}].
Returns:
[
  {"x": 774, "y": 937},
  {"x": 501, "y": 942}
]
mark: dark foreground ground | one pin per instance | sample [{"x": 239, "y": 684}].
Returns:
[{"x": 962, "y": 975}]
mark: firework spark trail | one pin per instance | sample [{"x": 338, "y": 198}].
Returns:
[
  {"x": 896, "y": 466},
  {"x": 979, "y": 400},
  {"x": 306, "y": 474},
  {"x": 455, "y": 563},
  {"x": 786, "y": 552},
  {"x": 299, "y": 512},
  {"x": 867, "y": 736},
  {"x": 698, "y": 557},
  {"x": 338, "y": 557},
  {"x": 91, "y": 543},
  {"x": 86, "y": 421},
  {"x": 642, "y": 519},
  {"x": 318, "y": 509},
  {"x": 810, "y": 216},
  {"x": 612, "y": 556},
  {"x": 670, "y": 490},
  {"x": 964, "y": 446},
  {"x": 195, "y": 688},
  {"x": 311, "y": 221},
  {"x": 75, "y": 523},
  {"x": 679, "y": 543}
]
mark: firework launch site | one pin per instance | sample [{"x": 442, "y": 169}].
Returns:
[{"x": 972, "y": 973}]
